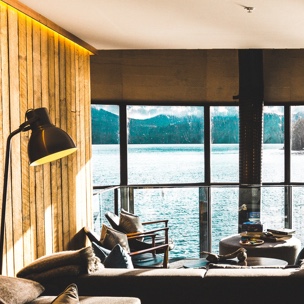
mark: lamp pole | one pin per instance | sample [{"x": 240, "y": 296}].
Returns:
[{"x": 47, "y": 143}]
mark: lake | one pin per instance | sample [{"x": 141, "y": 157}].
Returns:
[{"x": 164, "y": 164}]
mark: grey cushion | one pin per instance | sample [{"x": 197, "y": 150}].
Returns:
[
  {"x": 101, "y": 252},
  {"x": 111, "y": 237},
  {"x": 64, "y": 263},
  {"x": 115, "y": 258},
  {"x": 68, "y": 296},
  {"x": 118, "y": 258},
  {"x": 18, "y": 291}
]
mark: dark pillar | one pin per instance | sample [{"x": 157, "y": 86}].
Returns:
[{"x": 251, "y": 96}]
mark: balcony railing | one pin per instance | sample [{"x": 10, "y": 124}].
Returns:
[{"x": 200, "y": 216}]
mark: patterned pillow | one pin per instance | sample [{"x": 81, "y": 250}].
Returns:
[
  {"x": 18, "y": 291},
  {"x": 111, "y": 237},
  {"x": 130, "y": 222},
  {"x": 68, "y": 296}
]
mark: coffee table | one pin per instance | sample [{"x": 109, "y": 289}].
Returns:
[
  {"x": 251, "y": 261},
  {"x": 287, "y": 249}
]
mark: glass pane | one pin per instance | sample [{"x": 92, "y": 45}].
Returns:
[
  {"x": 297, "y": 212},
  {"x": 272, "y": 207},
  {"x": 224, "y": 214},
  {"x": 273, "y": 147},
  {"x": 105, "y": 145},
  {"x": 181, "y": 207},
  {"x": 165, "y": 144},
  {"x": 297, "y": 143},
  {"x": 224, "y": 144}
]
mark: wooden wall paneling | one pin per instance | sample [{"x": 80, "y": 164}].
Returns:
[
  {"x": 14, "y": 214},
  {"x": 64, "y": 124},
  {"x": 39, "y": 172},
  {"x": 31, "y": 239},
  {"x": 88, "y": 142},
  {"x": 80, "y": 177},
  {"x": 63, "y": 194},
  {"x": 4, "y": 91},
  {"x": 72, "y": 130},
  {"x": 41, "y": 68},
  {"x": 55, "y": 166},
  {"x": 24, "y": 217}
]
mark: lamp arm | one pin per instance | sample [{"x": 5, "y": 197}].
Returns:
[{"x": 22, "y": 128}]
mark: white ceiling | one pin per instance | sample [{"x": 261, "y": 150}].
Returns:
[{"x": 178, "y": 24}]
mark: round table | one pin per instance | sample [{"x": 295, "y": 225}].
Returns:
[{"x": 287, "y": 249}]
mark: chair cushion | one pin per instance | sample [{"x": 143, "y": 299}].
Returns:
[
  {"x": 111, "y": 237},
  {"x": 130, "y": 222},
  {"x": 18, "y": 291}
]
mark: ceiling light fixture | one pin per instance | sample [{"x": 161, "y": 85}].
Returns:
[{"x": 249, "y": 9}]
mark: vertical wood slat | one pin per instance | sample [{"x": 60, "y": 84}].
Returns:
[
  {"x": 14, "y": 240},
  {"x": 44, "y": 69}
]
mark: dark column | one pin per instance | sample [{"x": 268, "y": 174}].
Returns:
[{"x": 251, "y": 96}]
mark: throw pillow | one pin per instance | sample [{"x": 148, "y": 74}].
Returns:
[
  {"x": 116, "y": 258},
  {"x": 18, "y": 291},
  {"x": 111, "y": 237},
  {"x": 68, "y": 296},
  {"x": 64, "y": 263},
  {"x": 101, "y": 252},
  {"x": 130, "y": 222}
]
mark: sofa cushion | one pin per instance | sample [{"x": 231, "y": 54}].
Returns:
[
  {"x": 64, "y": 263},
  {"x": 111, "y": 237},
  {"x": 18, "y": 291},
  {"x": 68, "y": 296}
]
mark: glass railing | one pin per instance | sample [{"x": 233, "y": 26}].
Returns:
[{"x": 199, "y": 217}]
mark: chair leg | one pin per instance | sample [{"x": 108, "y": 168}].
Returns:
[{"x": 166, "y": 258}]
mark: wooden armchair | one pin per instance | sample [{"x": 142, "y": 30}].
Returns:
[
  {"x": 153, "y": 257},
  {"x": 145, "y": 242}
]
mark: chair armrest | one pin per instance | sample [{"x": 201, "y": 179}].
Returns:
[
  {"x": 165, "y": 229},
  {"x": 156, "y": 222}
]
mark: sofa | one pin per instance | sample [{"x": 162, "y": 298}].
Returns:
[
  {"x": 216, "y": 283},
  {"x": 191, "y": 286}
]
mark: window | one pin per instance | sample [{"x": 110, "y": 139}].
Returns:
[
  {"x": 105, "y": 145},
  {"x": 225, "y": 144},
  {"x": 297, "y": 143},
  {"x": 273, "y": 144},
  {"x": 165, "y": 144}
]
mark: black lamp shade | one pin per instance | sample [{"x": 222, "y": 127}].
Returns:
[{"x": 47, "y": 142}]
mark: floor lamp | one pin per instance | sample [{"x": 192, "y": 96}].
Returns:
[{"x": 47, "y": 143}]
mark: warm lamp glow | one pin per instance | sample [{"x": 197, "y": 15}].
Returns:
[
  {"x": 47, "y": 142},
  {"x": 52, "y": 157}
]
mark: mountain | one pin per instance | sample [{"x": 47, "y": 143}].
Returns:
[{"x": 170, "y": 129}]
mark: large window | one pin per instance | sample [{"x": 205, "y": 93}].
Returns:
[{"x": 172, "y": 154}]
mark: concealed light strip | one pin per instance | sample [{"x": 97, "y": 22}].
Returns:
[{"x": 28, "y": 12}]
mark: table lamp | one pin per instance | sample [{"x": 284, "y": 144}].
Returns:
[{"x": 47, "y": 143}]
